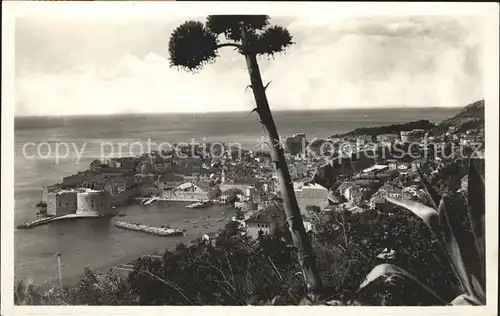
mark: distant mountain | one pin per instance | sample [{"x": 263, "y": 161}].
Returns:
[
  {"x": 471, "y": 117},
  {"x": 388, "y": 129}
]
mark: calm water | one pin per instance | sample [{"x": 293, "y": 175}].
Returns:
[{"x": 97, "y": 243}]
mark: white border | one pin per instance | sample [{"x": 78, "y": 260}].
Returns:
[{"x": 320, "y": 10}]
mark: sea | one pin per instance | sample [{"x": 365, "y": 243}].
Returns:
[{"x": 50, "y": 148}]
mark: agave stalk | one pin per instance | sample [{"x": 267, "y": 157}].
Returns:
[
  {"x": 301, "y": 241},
  {"x": 192, "y": 45},
  {"x": 465, "y": 252}
]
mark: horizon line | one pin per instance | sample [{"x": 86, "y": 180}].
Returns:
[{"x": 233, "y": 111}]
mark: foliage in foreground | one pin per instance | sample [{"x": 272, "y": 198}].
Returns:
[
  {"x": 92, "y": 288},
  {"x": 236, "y": 270},
  {"x": 460, "y": 232}
]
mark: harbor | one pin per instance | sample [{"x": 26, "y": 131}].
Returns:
[{"x": 101, "y": 245}]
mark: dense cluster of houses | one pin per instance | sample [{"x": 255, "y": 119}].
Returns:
[{"x": 246, "y": 179}]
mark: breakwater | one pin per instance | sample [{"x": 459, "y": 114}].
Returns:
[
  {"x": 50, "y": 219},
  {"x": 200, "y": 204},
  {"x": 158, "y": 231}
]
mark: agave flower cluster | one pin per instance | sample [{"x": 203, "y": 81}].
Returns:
[{"x": 194, "y": 44}]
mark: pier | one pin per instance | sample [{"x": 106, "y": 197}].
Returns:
[
  {"x": 200, "y": 204},
  {"x": 147, "y": 201},
  {"x": 158, "y": 231}
]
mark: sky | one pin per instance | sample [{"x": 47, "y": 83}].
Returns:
[{"x": 79, "y": 66}]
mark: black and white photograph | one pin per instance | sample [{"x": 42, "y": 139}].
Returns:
[{"x": 279, "y": 154}]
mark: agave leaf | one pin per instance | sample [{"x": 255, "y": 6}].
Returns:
[
  {"x": 434, "y": 220},
  {"x": 426, "y": 213},
  {"x": 459, "y": 244},
  {"x": 476, "y": 212},
  {"x": 390, "y": 273},
  {"x": 431, "y": 192},
  {"x": 465, "y": 299}
]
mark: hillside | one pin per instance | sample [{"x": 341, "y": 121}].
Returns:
[
  {"x": 388, "y": 129},
  {"x": 471, "y": 117}
]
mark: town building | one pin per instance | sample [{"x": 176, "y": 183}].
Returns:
[
  {"x": 187, "y": 191},
  {"x": 96, "y": 202},
  {"x": 295, "y": 144},
  {"x": 228, "y": 186},
  {"x": 415, "y": 165},
  {"x": 121, "y": 189},
  {"x": 268, "y": 221},
  {"x": 85, "y": 178},
  {"x": 128, "y": 163},
  {"x": 387, "y": 138},
  {"x": 246, "y": 206},
  {"x": 310, "y": 194},
  {"x": 223, "y": 198},
  {"x": 46, "y": 189},
  {"x": 403, "y": 167},
  {"x": 118, "y": 185},
  {"x": 61, "y": 202},
  {"x": 146, "y": 184},
  {"x": 363, "y": 140},
  {"x": 391, "y": 191},
  {"x": 413, "y": 136},
  {"x": 250, "y": 193},
  {"x": 354, "y": 194},
  {"x": 378, "y": 199},
  {"x": 393, "y": 164}
]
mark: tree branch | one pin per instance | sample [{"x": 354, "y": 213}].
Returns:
[{"x": 228, "y": 45}]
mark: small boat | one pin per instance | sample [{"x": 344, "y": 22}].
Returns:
[
  {"x": 150, "y": 200},
  {"x": 121, "y": 215}
]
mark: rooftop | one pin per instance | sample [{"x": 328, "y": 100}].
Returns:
[
  {"x": 375, "y": 168},
  {"x": 266, "y": 215},
  {"x": 301, "y": 186}
]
